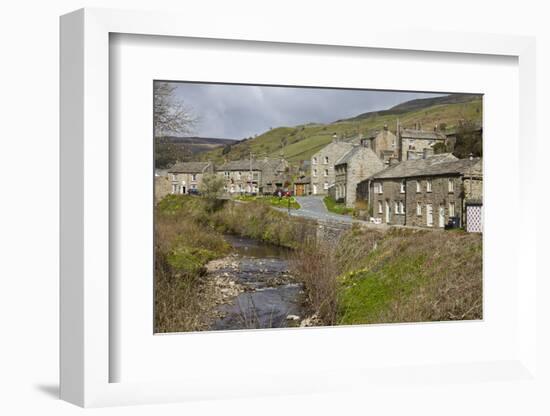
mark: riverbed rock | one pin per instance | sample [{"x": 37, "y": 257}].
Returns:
[{"x": 312, "y": 320}]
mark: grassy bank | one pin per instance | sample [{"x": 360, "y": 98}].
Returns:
[
  {"x": 336, "y": 207},
  {"x": 397, "y": 276},
  {"x": 273, "y": 201},
  {"x": 188, "y": 234}
]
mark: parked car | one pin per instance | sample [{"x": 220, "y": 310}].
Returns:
[
  {"x": 194, "y": 192},
  {"x": 454, "y": 222}
]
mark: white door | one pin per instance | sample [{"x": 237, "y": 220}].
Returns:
[
  {"x": 429, "y": 215},
  {"x": 314, "y": 189},
  {"x": 441, "y": 216},
  {"x": 387, "y": 212}
]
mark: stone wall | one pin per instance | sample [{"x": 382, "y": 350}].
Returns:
[
  {"x": 362, "y": 165},
  {"x": 333, "y": 152},
  {"x": 439, "y": 198}
]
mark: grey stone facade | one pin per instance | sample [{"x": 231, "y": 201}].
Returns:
[
  {"x": 187, "y": 177},
  {"x": 322, "y": 166},
  {"x": 356, "y": 165},
  {"x": 425, "y": 192},
  {"x": 254, "y": 176},
  {"x": 413, "y": 142},
  {"x": 383, "y": 143}
]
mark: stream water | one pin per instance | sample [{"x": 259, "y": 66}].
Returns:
[{"x": 270, "y": 298}]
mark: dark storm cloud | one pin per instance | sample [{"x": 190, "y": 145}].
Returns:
[{"x": 238, "y": 111}]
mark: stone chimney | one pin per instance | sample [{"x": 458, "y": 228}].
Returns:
[
  {"x": 334, "y": 138},
  {"x": 428, "y": 151},
  {"x": 386, "y": 126}
]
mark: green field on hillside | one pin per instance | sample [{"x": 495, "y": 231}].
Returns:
[{"x": 301, "y": 142}]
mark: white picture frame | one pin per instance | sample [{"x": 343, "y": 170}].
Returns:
[{"x": 85, "y": 213}]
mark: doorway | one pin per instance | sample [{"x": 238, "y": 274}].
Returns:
[{"x": 429, "y": 215}]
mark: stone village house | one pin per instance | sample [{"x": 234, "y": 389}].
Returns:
[
  {"x": 322, "y": 166},
  {"x": 360, "y": 162},
  {"x": 186, "y": 177},
  {"x": 254, "y": 176},
  {"x": 427, "y": 192}
]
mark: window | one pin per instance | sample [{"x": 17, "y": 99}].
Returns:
[
  {"x": 239, "y": 174},
  {"x": 314, "y": 172},
  {"x": 418, "y": 208},
  {"x": 380, "y": 188},
  {"x": 380, "y": 207},
  {"x": 194, "y": 177},
  {"x": 418, "y": 190},
  {"x": 429, "y": 185},
  {"x": 401, "y": 207},
  {"x": 326, "y": 185},
  {"x": 326, "y": 172},
  {"x": 402, "y": 190},
  {"x": 193, "y": 186},
  {"x": 451, "y": 209},
  {"x": 326, "y": 160},
  {"x": 174, "y": 178},
  {"x": 314, "y": 161},
  {"x": 226, "y": 174},
  {"x": 174, "y": 188},
  {"x": 396, "y": 207},
  {"x": 451, "y": 185}
]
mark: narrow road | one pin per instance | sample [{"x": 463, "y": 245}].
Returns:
[{"x": 314, "y": 207}]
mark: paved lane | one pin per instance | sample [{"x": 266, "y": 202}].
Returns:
[{"x": 314, "y": 207}]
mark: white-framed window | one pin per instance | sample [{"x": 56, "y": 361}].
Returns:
[
  {"x": 226, "y": 174},
  {"x": 314, "y": 161},
  {"x": 325, "y": 185},
  {"x": 194, "y": 177},
  {"x": 451, "y": 185},
  {"x": 429, "y": 185},
  {"x": 326, "y": 172},
  {"x": 326, "y": 160},
  {"x": 174, "y": 177},
  {"x": 314, "y": 172},
  {"x": 380, "y": 207},
  {"x": 232, "y": 188},
  {"x": 174, "y": 188},
  {"x": 418, "y": 187},
  {"x": 451, "y": 209},
  {"x": 418, "y": 208},
  {"x": 402, "y": 189},
  {"x": 380, "y": 188},
  {"x": 401, "y": 207},
  {"x": 239, "y": 174},
  {"x": 396, "y": 207}
]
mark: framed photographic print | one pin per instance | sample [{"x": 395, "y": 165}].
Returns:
[{"x": 274, "y": 214}]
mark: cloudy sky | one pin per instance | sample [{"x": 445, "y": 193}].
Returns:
[{"x": 239, "y": 111}]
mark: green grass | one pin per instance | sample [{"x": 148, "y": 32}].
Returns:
[
  {"x": 274, "y": 201},
  {"x": 336, "y": 207},
  {"x": 301, "y": 142},
  {"x": 366, "y": 293}
]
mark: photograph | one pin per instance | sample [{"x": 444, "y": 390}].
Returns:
[{"x": 282, "y": 206}]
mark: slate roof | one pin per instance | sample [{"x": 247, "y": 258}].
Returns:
[
  {"x": 189, "y": 167},
  {"x": 352, "y": 152},
  {"x": 416, "y": 167},
  {"x": 241, "y": 165},
  {"x": 421, "y": 134},
  {"x": 245, "y": 164},
  {"x": 303, "y": 180}
]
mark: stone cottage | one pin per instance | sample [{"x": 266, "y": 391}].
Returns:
[
  {"x": 322, "y": 166},
  {"x": 254, "y": 176},
  {"x": 412, "y": 142},
  {"x": 186, "y": 177},
  {"x": 357, "y": 164},
  {"x": 383, "y": 143},
  {"x": 426, "y": 192}
]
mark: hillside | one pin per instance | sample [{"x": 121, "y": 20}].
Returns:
[
  {"x": 199, "y": 144},
  {"x": 301, "y": 142}
]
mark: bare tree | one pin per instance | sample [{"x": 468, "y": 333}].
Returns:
[{"x": 171, "y": 116}]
